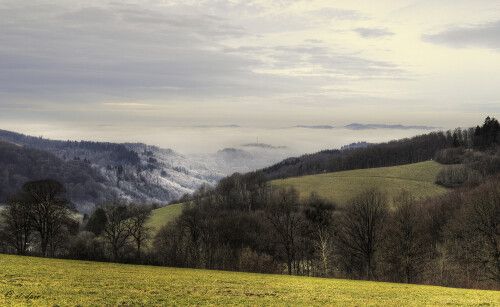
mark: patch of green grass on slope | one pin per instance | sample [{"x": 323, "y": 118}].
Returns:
[
  {"x": 163, "y": 215},
  {"x": 341, "y": 186},
  {"x": 49, "y": 282}
]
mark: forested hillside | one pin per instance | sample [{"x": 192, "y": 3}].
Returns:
[
  {"x": 85, "y": 184},
  {"x": 417, "y": 149},
  {"x": 133, "y": 171}
]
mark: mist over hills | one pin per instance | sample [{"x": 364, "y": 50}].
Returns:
[{"x": 94, "y": 171}]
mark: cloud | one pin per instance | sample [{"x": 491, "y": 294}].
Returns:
[
  {"x": 123, "y": 51},
  {"x": 373, "y": 32},
  {"x": 485, "y": 35},
  {"x": 324, "y": 61}
]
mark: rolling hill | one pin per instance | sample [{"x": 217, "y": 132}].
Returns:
[
  {"x": 341, "y": 186},
  {"x": 417, "y": 149},
  {"x": 50, "y": 282}
]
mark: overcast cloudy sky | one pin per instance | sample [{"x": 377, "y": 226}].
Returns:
[{"x": 125, "y": 69}]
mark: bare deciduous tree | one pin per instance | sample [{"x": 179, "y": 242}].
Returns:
[
  {"x": 49, "y": 209},
  {"x": 282, "y": 213},
  {"x": 319, "y": 215},
  {"x": 475, "y": 231},
  {"x": 360, "y": 228},
  {"x": 139, "y": 215},
  {"x": 15, "y": 226},
  {"x": 116, "y": 230},
  {"x": 407, "y": 241}
]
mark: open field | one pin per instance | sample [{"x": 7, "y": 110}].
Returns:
[
  {"x": 43, "y": 282},
  {"x": 341, "y": 186},
  {"x": 163, "y": 215}
]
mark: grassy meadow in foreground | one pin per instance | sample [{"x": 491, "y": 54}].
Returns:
[
  {"x": 341, "y": 186},
  {"x": 42, "y": 282}
]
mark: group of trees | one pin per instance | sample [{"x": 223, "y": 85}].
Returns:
[
  {"x": 477, "y": 153},
  {"x": 38, "y": 218},
  {"x": 41, "y": 221},
  {"x": 115, "y": 231}
]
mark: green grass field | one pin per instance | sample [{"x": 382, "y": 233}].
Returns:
[
  {"x": 341, "y": 186},
  {"x": 50, "y": 282},
  {"x": 163, "y": 215}
]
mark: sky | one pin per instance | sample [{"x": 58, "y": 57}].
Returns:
[{"x": 200, "y": 75}]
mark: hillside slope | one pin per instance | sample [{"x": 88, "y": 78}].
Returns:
[
  {"x": 49, "y": 282},
  {"x": 341, "y": 186},
  {"x": 84, "y": 184},
  {"x": 405, "y": 151},
  {"x": 164, "y": 215}
]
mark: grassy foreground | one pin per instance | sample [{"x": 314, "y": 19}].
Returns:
[
  {"x": 42, "y": 282},
  {"x": 341, "y": 186}
]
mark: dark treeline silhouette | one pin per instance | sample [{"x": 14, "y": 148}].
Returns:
[
  {"x": 416, "y": 149},
  {"x": 246, "y": 224},
  {"x": 39, "y": 216},
  {"x": 41, "y": 221},
  {"x": 478, "y": 155}
]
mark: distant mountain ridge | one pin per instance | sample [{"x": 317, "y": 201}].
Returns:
[{"x": 357, "y": 126}]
